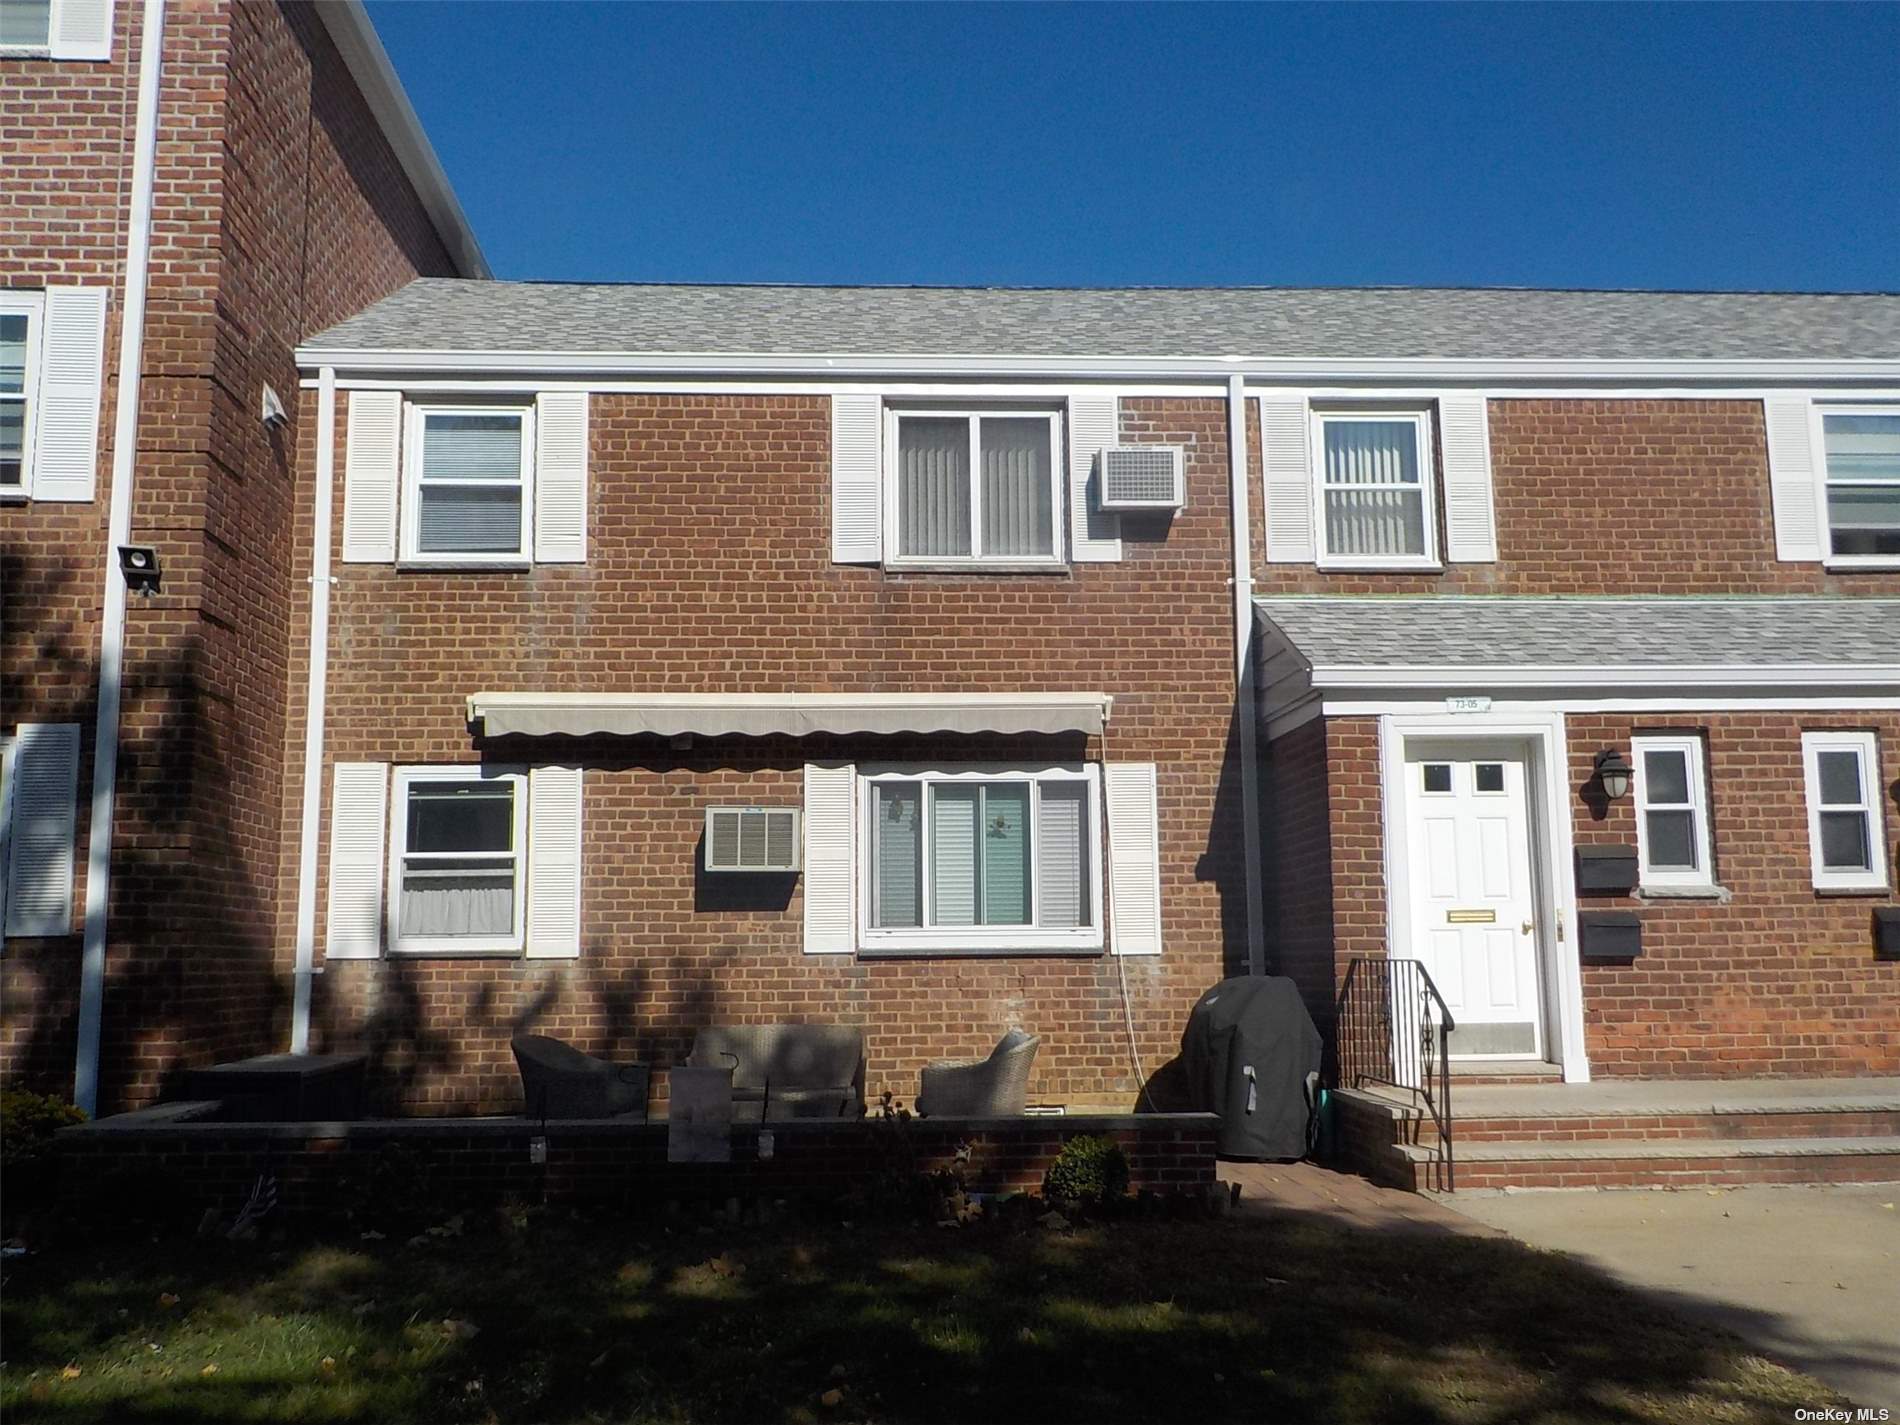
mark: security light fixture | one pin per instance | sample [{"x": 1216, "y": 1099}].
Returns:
[
  {"x": 1613, "y": 773},
  {"x": 139, "y": 564}
]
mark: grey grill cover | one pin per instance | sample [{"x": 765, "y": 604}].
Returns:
[{"x": 1259, "y": 1023}]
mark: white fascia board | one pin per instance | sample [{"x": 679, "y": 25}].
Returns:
[
  {"x": 368, "y": 62},
  {"x": 1278, "y": 370},
  {"x": 1589, "y": 677}
]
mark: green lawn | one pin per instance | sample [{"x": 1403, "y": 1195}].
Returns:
[{"x": 551, "y": 1316}]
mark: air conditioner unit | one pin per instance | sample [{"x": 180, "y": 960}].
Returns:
[
  {"x": 1143, "y": 477},
  {"x": 751, "y": 838}
]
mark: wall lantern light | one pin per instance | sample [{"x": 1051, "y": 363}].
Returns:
[{"x": 1613, "y": 773}]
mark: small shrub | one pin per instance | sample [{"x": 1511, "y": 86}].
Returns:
[
  {"x": 1089, "y": 1171},
  {"x": 28, "y": 1122}
]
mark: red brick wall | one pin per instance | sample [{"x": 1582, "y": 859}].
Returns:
[
  {"x": 277, "y": 209},
  {"x": 1776, "y": 979},
  {"x": 709, "y": 569},
  {"x": 1610, "y": 497}
]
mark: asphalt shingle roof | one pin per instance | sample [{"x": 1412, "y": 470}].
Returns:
[
  {"x": 1369, "y": 632},
  {"x": 445, "y": 314}
]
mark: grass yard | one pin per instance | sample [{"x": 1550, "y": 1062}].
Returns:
[{"x": 552, "y": 1316}]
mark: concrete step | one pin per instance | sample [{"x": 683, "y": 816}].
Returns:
[
  {"x": 1717, "y": 1124},
  {"x": 1680, "y": 1162},
  {"x": 1488, "y": 1072}
]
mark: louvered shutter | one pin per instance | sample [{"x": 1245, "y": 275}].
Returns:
[
  {"x": 43, "y": 791},
  {"x": 857, "y": 506},
  {"x": 560, "y": 478},
  {"x": 371, "y": 470},
  {"x": 1464, "y": 431},
  {"x": 554, "y": 863},
  {"x": 1287, "y": 476},
  {"x": 359, "y": 812},
  {"x": 72, "y": 374},
  {"x": 1792, "y": 468},
  {"x": 81, "y": 29},
  {"x": 1134, "y": 856},
  {"x": 1094, "y": 421},
  {"x": 830, "y": 915}
]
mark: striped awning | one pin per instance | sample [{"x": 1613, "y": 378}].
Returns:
[{"x": 783, "y": 714}]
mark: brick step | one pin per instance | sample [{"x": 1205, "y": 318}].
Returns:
[
  {"x": 1682, "y": 1162},
  {"x": 1720, "y": 1124}
]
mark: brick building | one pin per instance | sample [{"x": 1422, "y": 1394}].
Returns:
[{"x": 191, "y": 187}]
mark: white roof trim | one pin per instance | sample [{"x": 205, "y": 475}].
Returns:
[
  {"x": 1454, "y": 677},
  {"x": 368, "y": 62},
  {"x": 784, "y": 714},
  {"x": 1124, "y": 367}
]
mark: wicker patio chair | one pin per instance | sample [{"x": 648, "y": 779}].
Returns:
[
  {"x": 995, "y": 1087},
  {"x": 809, "y": 1070},
  {"x": 559, "y": 1081}
]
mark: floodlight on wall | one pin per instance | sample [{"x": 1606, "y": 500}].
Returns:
[{"x": 139, "y": 564}]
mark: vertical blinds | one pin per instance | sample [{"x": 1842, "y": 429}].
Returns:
[
  {"x": 933, "y": 495},
  {"x": 936, "y": 493},
  {"x": 897, "y": 846},
  {"x": 1017, "y": 518},
  {"x": 1374, "y": 503},
  {"x": 1062, "y": 882}
]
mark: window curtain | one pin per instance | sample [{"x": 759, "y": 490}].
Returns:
[
  {"x": 1374, "y": 520},
  {"x": 456, "y": 902},
  {"x": 1017, "y": 515},
  {"x": 933, "y": 494},
  {"x": 1062, "y": 888}
]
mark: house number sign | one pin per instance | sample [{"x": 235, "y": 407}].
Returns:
[{"x": 1467, "y": 705}]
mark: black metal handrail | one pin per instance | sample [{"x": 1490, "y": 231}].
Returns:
[{"x": 1394, "y": 1030}]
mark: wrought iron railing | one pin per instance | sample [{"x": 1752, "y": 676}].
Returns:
[{"x": 1393, "y": 1031}]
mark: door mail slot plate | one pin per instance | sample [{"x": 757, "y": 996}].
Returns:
[{"x": 1471, "y": 917}]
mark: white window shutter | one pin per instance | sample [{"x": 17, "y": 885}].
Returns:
[
  {"x": 554, "y": 863},
  {"x": 81, "y": 29},
  {"x": 857, "y": 504},
  {"x": 1134, "y": 858},
  {"x": 830, "y": 818},
  {"x": 1791, "y": 480},
  {"x": 371, "y": 470},
  {"x": 359, "y": 812},
  {"x": 43, "y": 790},
  {"x": 560, "y": 478},
  {"x": 72, "y": 376},
  {"x": 1287, "y": 476},
  {"x": 1094, "y": 421},
  {"x": 1464, "y": 432}
]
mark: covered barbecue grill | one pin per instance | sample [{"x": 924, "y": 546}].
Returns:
[{"x": 1252, "y": 1055}]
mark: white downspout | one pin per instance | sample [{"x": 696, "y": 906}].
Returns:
[
  {"x": 320, "y": 582},
  {"x": 1247, "y": 732},
  {"x": 125, "y": 440}
]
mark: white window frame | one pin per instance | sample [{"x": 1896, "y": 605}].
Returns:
[
  {"x": 894, "y": 415},
  {"x": 415, "y": 417},
  {"x": 1674, "y": 878},
  {"x": 32, "y": 306},
  {"x": 1818, "y": 412},
  {"x": 982, "y": 939},
  {"x": 1866, "y": 746},
  {"x": 400, "y": 944},
  {"x": 1421, "y": 418}
]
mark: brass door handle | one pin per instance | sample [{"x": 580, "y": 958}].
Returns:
[{"x": 1528, "y": 927}]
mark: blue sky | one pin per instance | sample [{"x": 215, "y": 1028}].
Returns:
[{"x": 1701, "y": 146}]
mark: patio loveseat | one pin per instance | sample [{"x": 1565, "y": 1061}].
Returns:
[{"x": 808, "y": 1070}]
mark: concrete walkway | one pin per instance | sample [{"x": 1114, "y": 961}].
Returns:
[
  {"x": 1608, "y": 1097},
  {"x": 1345, "y": 1199},
  {"x": 1809, "y": 1275}
]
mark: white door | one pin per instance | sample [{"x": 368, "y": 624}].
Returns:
[{"x": 1473, "y": 899}]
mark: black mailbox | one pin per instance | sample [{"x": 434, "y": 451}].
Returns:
[
  {"x": 1609, "y": 935},
  {"x": 1606, "y": 870},
  {"x": 1887, "y": 932}
]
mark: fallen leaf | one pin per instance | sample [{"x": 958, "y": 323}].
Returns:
[
  {"x": 167, "y": 1299},
  {"x": 327, "y": 1365},
  {"x": 211, "y": 1369},
  {"x": 462, "y": 1330},
  {"x": 832, "y": 1399},
  {"x": 70, "y": 1373}
]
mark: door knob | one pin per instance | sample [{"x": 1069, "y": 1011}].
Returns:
[{"x": 1528, "y": 927}]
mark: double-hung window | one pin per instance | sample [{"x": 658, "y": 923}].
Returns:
[
  {"x": 1861, "y": 476},
  {"x": 1374, "y": 488},
  {"x": 1845, "y": 834},
  {"x": 974, "y": 487},
  {"x": 1672, "y": 813},
  {"x": 457, "y": 861},
  {"x": 469, "y": 497},
  {"x": 1002, "y": 860},
  {"x": 19, "y": 351},
  {"x": 26, "y": 24}
]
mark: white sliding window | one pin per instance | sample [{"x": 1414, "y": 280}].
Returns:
[
  {"x": 467, "y": 496},
  {"x": 1374, "y": 488},
  {"x": 1672, "y": 813},
  {"x": 458, "y": 838},
  {"x": 19, "y": 351},
  {"x": 1846, "y": 839},
  {"x": 1861, "y": 476},
  {"x": 974, "y": 487},
  {"x": 25, "y": 24},
  {"x": 969, "y": 860}
]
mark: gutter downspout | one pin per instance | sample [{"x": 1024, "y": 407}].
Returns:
[
  {"x": 320, "y": 582},
  {"x": 1247, "y": 732},
  {"x": 125, "y": 439}
]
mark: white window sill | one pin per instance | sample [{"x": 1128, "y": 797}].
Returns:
[
  {"x": 1851, "y": 888},
  {"x": 512, "y": 565},
  {"x": 13, "y": 495},
  {"x": 455, "y": 952},
  {"x": 1024, "y": 941},
  {"x": 1707, "y": 891},
  {"x": 1380, "y": 566},
  {"x": 975, "y": 566},
  {"x": 27, "y": 51},
  {"x": 971, "y": 952},
  {"x": 1867, "y": 564}
]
